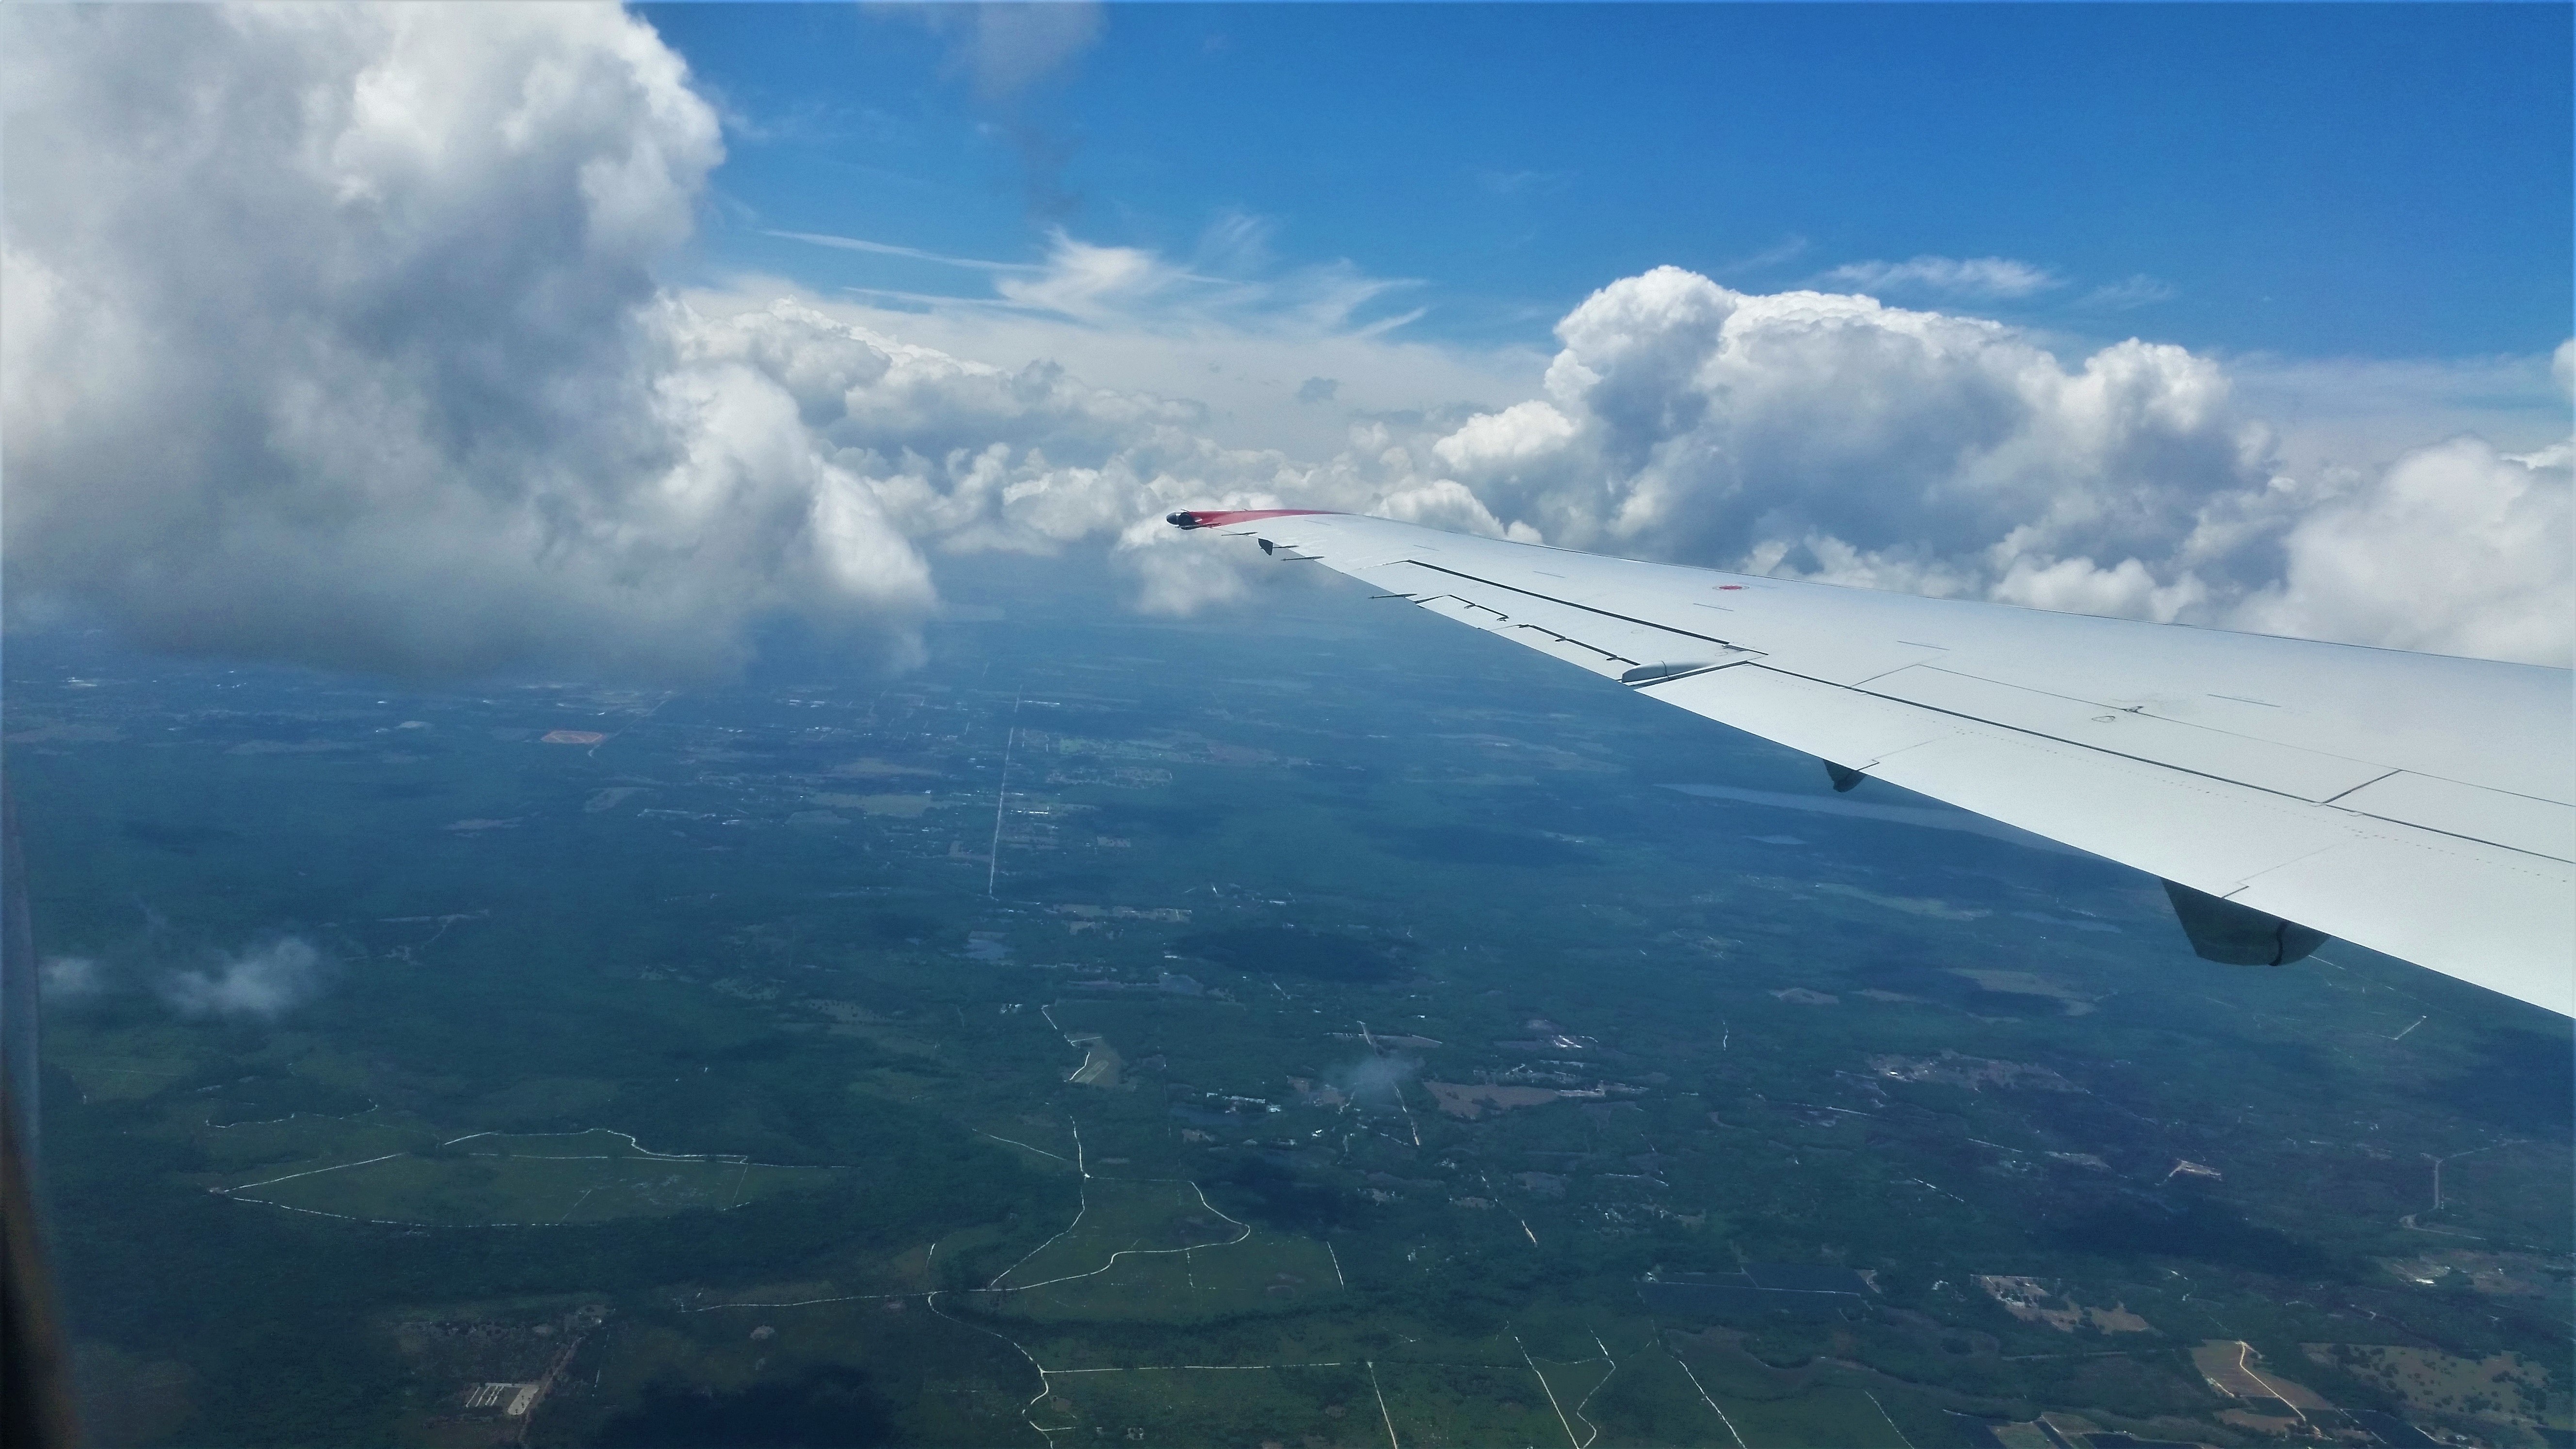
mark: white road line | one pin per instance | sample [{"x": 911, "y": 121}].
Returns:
[
  {"x": 931, "y": 1301},
  {"x": 1173, "y": 1368},
  {"x": 995, "y": 1285},
  {"x": 1040, "y": 1151},
  {"x": 1596, "y": 1388},
  {"x": 335, "y": 1167},
  {"x": 1040, "y": 1248},
  {"x": 1246, "y": 1231},
  {"x": 1381, "y": 1408},
  {"x": 1001, "y": 793},
  {"x": 629, "y": 1138},
  {"x": 810, "y": 1302},
  {"x": 1544, "y": 1388},
  {"x": 1890, "y": 1418},
  {"x": 1705, "y": 1399},
  {"x": 2242, "y": 1349}
]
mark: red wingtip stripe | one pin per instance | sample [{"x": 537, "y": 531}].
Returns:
[{"x": 1219, "y": 518}]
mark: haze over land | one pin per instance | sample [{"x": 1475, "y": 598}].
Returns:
[{"x": 963, "y": 1059}]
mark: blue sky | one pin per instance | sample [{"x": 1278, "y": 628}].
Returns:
[
  {"x": 448, "y": 337},
  {"x": 2307, "y": 181}
]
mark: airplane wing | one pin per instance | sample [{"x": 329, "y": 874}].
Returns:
[{"x": 2284, "y": 789}]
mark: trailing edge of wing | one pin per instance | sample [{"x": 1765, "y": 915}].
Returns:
[{"x": 2419, "y": 805}]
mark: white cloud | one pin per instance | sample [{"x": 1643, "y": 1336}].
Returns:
[
  {"x": 2355, "y": 416},
  {"x": 263, "y": 983},
  {"x": 2456, "y": 549},
  {"x": 1228, "y": 285},
  {"x": 1527, "y": 429},
  {"x": 71, "y": 978},
  {"x": 1828, "y": 436},
  {"x": 1006, "y": 46},
  {"x": 1693, "y": 421},
  {"x": 409, "y": 395},
  {"x": 889, "y": 249},
  {"x": 1974, "y": 279},
  {"x": 2140, "y": 290},
  {"x": 342, "y": 342},
  {"x": 333, "y": 334}
]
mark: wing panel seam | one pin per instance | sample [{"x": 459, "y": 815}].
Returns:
[
  {"x": 1570, "y": 604},
  {"x": 2346, "y": 814}
]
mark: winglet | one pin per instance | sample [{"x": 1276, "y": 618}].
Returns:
[{"x": 1219, "y": 518}]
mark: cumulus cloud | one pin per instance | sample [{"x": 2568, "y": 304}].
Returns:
[
  {"x": 1828, "y": 436},
  {"x": 1977, "y": 279},
  {"x": 334, "y": 334},
  {"x": 260, "y": 984},
  {"x": 342, "y": 340},
  {"x": 1698, "y": 421},
  {"x": 71, "y": 978},
  {"x": 2456, "y": 549}
]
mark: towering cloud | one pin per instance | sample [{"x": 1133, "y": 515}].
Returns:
[
  {"x": 1829, "y": 436},
  {"x": 334, "y": 333}
]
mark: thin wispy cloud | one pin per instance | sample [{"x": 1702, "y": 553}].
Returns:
[
  {"x": 2137, "y": 291},
  {"x": 1960, "y": 278},
  {"x": 1787, "y": 249},
  {"x": 1007, "y": 50},
  {"x": 889, "y": 249},
  {"x": 1523, "y": 183},
  {"x": 1006, "y": 46},
  {"x": 1230, "y": 279}
]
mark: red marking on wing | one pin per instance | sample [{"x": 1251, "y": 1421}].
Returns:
[
  {"x": 1220, "y": 518},
  {"x": 1730, "y": 586}
]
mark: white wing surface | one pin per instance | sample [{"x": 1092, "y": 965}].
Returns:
[{"x": 2416, "y": 804}]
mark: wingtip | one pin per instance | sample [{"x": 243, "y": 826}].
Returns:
[{"x": 1219, "y": 517}]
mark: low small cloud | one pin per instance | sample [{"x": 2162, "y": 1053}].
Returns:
[
  {"x": 71, "y": 978},
  {"x": 1376, "y": 1081},
  {"x": 1969, "y": 278},
  {"x": 261, "y": 984},
  {"x": 1318, "y": 390}
]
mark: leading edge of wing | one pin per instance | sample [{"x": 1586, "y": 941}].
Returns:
[{"x": 2414, "y": 806}]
